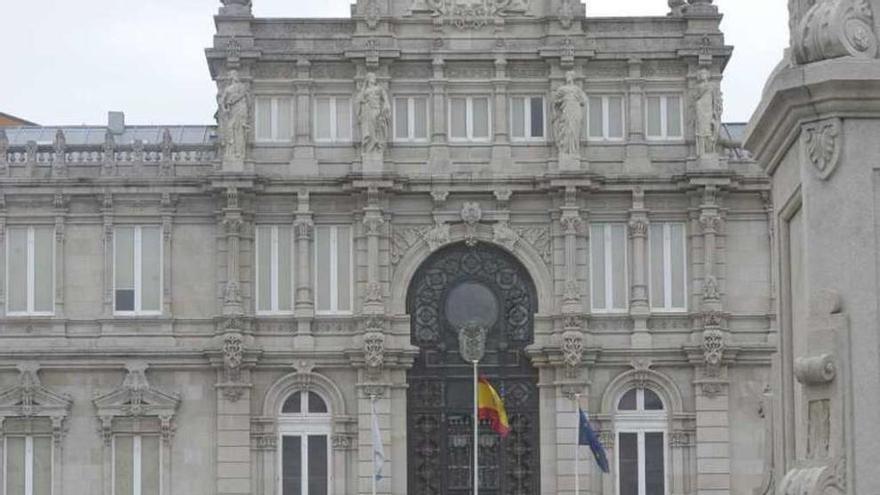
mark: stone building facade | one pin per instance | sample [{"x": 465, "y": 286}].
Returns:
[{"x": 214, "y": 310}]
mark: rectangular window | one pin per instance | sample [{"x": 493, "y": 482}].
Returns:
[
  {"x": 333, "y": 119},
  {"x": 641, "y": 457},
  {"x": 136, "y": 461},
  {"x": 411, "y": 119},
  {"x": 469, "y": 118},
  {"x": 605, "y": 118},
  {"x": 28, "y": 465},
  {"x": 333, "y": 269},
  {"x": 274, "y": 119},
  {"x": 137, "y": 268},
  {"x": 668, "y": 267},
  {"x": 305, "y": 465},
  {"x": 664, "y": 117},
  {"x": 274, "y": 278},
  {"x": 527, "y": 118},
  {"x": 608, "y": 267},
  {"x": 30, "y": 269}
]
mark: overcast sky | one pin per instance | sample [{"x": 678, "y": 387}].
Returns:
[{"x": 69, "y": 62}]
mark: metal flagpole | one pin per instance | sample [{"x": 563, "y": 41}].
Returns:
[
  {"x": 373, "y": 413},
  {"x": 476, "y": 432},
  {"x": 577, "y": 445}
]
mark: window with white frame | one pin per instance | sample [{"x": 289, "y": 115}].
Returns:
[
  {"x": 668, "y": 267},
  {"x": 333, "y": 269},
  {"x": 664, "y": 117},
  {"x": 411, "y": 118},
  {"x": 30, "y": 269},
  {"x": 605, "y": 118},
  {"x": 608, "y": 267},
  {"x": 469, "y": 118},
  {"x": 333, "y": 119},
  {"x": 137, "y": 266},
  {"x": 27, "y": 465},
  {"x": 527, "y": 121},
  {"x": 273, "y": 117},
  {"x": 136, "y": 465},
  {"x": 304, "y": 446},
  {"x": 640, "y": 425},
  {"x": 274, "y": 276}
]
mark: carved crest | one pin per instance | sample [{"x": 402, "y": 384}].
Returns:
[
  {"x": 572, "y": 351},
  {"x": 374, "y": 350},
  {"x": 472, "y": 342},
  {"x": 136, "y": 397},
  {"x": 821, "y": 143},
  {"x": 474, "y": 14}
]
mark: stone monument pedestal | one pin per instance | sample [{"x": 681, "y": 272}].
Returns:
[
  {"x": 569, "y": 162},
  {"x": 373, "y": 163}
]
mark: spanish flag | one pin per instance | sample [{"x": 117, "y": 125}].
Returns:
[{"x": 490, "y": 407}]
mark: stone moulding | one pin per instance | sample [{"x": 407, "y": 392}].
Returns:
[{"x": 835, "y": 28}]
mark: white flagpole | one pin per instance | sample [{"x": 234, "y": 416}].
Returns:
[
  {"x": 476, "y": 432},
  {"x": 373, "y": 411},
  {"x": 577, "y": 445}
]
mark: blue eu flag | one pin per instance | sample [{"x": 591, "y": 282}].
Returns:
[{"x": 586, "y": 436}]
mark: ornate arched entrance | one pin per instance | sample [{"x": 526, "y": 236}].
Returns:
[{"x": 457, "y": 285}]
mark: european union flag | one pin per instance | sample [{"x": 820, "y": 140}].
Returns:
[{"x": 586, "y": 436}]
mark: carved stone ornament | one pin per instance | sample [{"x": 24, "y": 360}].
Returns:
[
  {"x": 815, "y": 370},
  {"x": 374, "y": 115},
  {"x": 474, "y": 14},
  {"x": 713, "y": 350},
  {"x": 472, "y": 342},
  {"x": 471, "y": 214},
  {"x": 828, "y": 479},
  {"x": 374, "y": 350},
  {"x": 572, "y": 352},
  {"x": 566, "y": 14},
  {"x": 710, "y": 289},
  {"x": 832, "y": 29},
  {"x": 233, "y": 352},
  {"x": 438, "y": 236},
  {"x": 822, "y": 144},
  {"x": 505, "y": 236},
  {"x": 371, "y": 14},
  {"x": 233, "y": 102},
  {"x": 236, "y": 7},
  {"x": 29, "y": 398},
  {"x": 711, "y": 389},
  {"x": 136, "y": 397}
]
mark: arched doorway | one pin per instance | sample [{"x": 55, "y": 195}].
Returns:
[{"x": 453, "y": 286}]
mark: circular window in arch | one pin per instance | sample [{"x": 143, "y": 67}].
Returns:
[
  {"x": 471, "y": 302},
  {"x": 304, "y": 403}
]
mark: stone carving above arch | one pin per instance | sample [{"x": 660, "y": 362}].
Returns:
[
  {"x": 303, "y": 381},
  {"x": 471, "y": 14},
  {"x": 642, "y": 376},
  {"x": 525, "y": 252}
]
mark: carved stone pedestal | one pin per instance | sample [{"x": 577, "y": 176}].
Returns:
[
  {"x": 372, "y": 163},
  {"x": 569, "y": 162}
]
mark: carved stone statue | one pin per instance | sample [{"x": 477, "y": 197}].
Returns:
[
  {"x": 374, "y": 115},
  {"x": 569, "y": 101},
  {"x": 708, "y": 107},
  {"x": 233, "y": 104}
]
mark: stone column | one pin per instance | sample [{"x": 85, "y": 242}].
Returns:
[
  {"x": 60, "y": 206},
  {"x": 107, "y": 217},
  {"x": 711, "y": 223},
  {"x": 233, "y": 440},
  {"x": 303, "y": 161},
  {"x": 304, "y": 302},
  {"x": 439, "y": 154},
  {"x": 232, "y": 222},
  {"x": 373, "y": 221},
  {"x": 637, "y": 159},
  {"x": 167, "y": 209},
  {"x": 501, "y": 153},
  {"x": 640, "y": 310}
]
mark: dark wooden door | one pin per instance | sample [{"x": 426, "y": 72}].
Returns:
[{"x": 455, "y": 285}]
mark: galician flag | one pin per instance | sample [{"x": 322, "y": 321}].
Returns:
[
  {"x": 491, "y": 408},
  {"x": 378, "y": 448}
]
